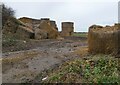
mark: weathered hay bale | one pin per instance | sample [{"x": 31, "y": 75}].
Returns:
[
  {"x": 53, "y": 24},
  {"x": 95, "y": 26},
  {"x": 67, "y": 28},
  {"x": 17, "y": 29},
  {"x": 26, "y": 20},
  {"x": 47, "y": 20},
  {"x": 118, "y": 26},
  {"x": 24, "y": 33},
  {"x": 67, "y": 24},
  {"x": 104, "y": 39},
  {"x": 31, "y": 23},
  {"x": 40, "y": 34},
  {"x": 51, "y": 32},
  {"x": 29, "y": 20}
]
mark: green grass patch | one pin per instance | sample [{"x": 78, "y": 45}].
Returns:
[
  {"x": 80, "y": 34},
  {"x": 92, "y": 69}
]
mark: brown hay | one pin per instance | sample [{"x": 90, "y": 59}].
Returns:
[
  {"x": 40, "y": 34},
  {"x": 19, "y": 30},
  {"x": 51, "y": 32},
  {"x": 43, "y": 28},
  {"x": 28, "y": 20},
  {"x": 67, "y": 28},
  {"x": 82, "y": 51},
  {"x": 104, "y": 39},
  {"x": 53, "y": 24}
]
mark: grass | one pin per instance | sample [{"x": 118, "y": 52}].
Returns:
[
  {"x": 91, "y": 69},
  {"x": 80, "y": 34},
  {"x": 11, "y": 43}
]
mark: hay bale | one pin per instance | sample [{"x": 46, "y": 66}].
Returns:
[
  {"x": 104, "y": 39},
  {"x": 95, "y": 26},
  {"x": 40, "y": 34},
  {"x": 53, "y": 24},
  {"x": 118, "y": 42},
  {"x": 25, "y": 19},
  {"x": 51, "y": 32},
  {"x": 47, "y": 20},
  {"x": 24, "y": 33},
  {"x": 29, "y": 20},
  {"x": 31, "y": 23},
  {"x": 17, "y": 29},
  {"x": 67, "y": 28}
]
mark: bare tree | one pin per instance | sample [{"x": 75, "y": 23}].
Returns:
[{"x": 7, "y": 12}]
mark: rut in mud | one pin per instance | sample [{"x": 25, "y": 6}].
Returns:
[{"x": 27, "y": 64}]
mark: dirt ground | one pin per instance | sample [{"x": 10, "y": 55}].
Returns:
[{"x": 23, "y": 65}]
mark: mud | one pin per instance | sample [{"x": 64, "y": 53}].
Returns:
[{"x": 44, "y": 55}]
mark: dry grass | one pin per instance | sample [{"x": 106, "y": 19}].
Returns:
[
  {"x": 19, "y": 57},
  {"x": 82, "y": 51}
]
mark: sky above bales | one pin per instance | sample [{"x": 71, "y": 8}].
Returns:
[{"x": 83, "y": 13}]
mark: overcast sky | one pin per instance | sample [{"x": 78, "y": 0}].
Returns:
[{"x": 83, "y": 13}]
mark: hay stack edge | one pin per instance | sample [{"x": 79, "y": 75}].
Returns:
[{"x": 104, "y": 39}]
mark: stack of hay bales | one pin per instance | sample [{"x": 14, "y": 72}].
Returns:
[
  {"x": 53, "y": 24},
  {"x": 104, "y": 39},
  {"x": 43, "y": 28},
  {"x": 67, "y": 28},
  {"x": 48, "y": 30}
]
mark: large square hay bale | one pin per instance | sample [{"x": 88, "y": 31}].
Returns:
[
  {"x": 67, "y": 28},
  {"x": 51, "y": 32},
  {"x": 104, "y": 39}
]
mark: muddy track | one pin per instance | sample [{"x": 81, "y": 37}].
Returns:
[{"x": 29, "y": 63}]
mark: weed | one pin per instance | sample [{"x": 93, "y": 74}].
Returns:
[{"x": 102, "y": 69}]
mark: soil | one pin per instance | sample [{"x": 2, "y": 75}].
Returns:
[{"x": 37, "y": 56}]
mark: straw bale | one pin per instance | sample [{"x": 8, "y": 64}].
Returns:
[{"x": 104, "y": 39}]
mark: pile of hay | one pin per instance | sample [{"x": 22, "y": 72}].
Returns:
[
  {"x": 40, "y": 34},
  {"x": 31, "y": 23},
  {"x": 53, "y": 24},
  {"x": 67, "y": 28},
  {"x": 104, "y": 39},
  {"x": 17, "y": 29},
  {"x": 43, "y": 28},
  {"x": 46, "y": 31}
]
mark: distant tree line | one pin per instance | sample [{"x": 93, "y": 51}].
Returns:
[{"x": 7, "y": 12}]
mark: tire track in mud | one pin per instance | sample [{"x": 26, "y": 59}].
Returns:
[{"x": 26, "y": 65}]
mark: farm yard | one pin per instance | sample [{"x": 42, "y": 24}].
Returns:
[
  {"x": 42, "y": 55},
  {"x": 36, "y": 51},
  {"x": 58, "y": 61}
]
